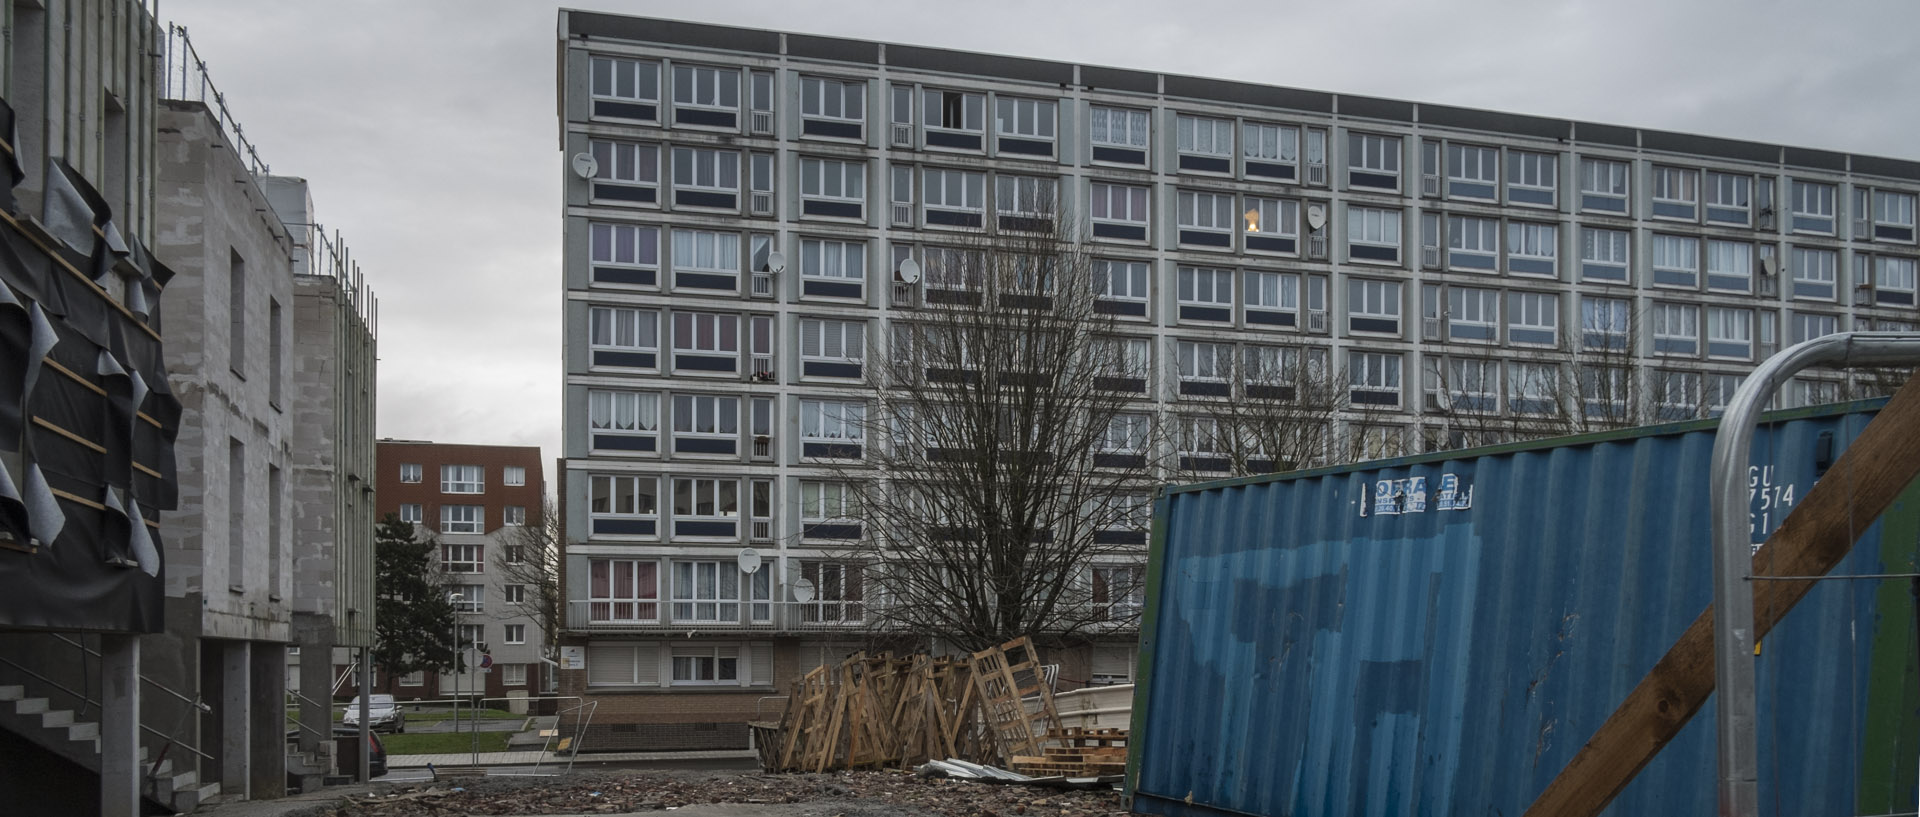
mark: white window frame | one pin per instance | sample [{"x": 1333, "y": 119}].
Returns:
[
  {"x": 1609, "y": 248},
  {"x": 1124, "y": 204},
  {"x": 1203, "y": 211},
  {"x": 1815, "y": 268},
  {"x": 513, "y": 634},
  {"x": 833, "y": 180},
  {"x": 1025, "y": 196},
  {"x": 1532, "y": 240},
  {"x": 709, "y": 416},
  {"x": 623, "y": 497},
  {"x": 1814, "y": 201},
  {"x": 632, "y": 246},
  {"x": 1533, "y": 312},
  {"x": 638, "y": 73},
  {"x": 831, "y": 260},
  {"x": 833, "y": 340},
  {"x": 1374, "y": 372},
  {"x": 1374, "y": 153},
  {"x": 1276, "y": 291},
  {"x": 1608, "y": 180},
  {"x": 643, "y": 600},
  {"x": 712, "y": 489},
  {"x": 1203, "y": 361},
  {"x": 1205, "y": 286},
  {"x": 1377, "y": 299},
  {"x": 411, "y": 512},
  {"x": 949, "y": 189},
  {"x": 1476, "y": 165},
  {"x": 619, "y": 329},
  {"x": 706, "y": 666},
  {"x": 711, "y": 333},
  {"x": 1804, "y": 324},
  {"x": 973, "y": 111},
  {"x": 1729, "y": 259},
  {"x": 1128, "y": 357},
  {"x": 1609, "y": 318},
  {"x": 706, "y": 251},
  {"x": 1473, "y": 307},
  {"x": 1274, "y": 217},
  {"x": 833, "y": 420},
  {"x": 720, "y": 169},
  {"x": 1374, "y": 227},
  {"x": 513, "y": 515},
  {"x": 1894, "y": 273},
  {"x": 701, "y": 591},
  {"x": 1727, "y": 191},
  {"x": 1269, "y": 143},
  {"x": 1123, "y": 280},
  {"x": 410, "y": 472},
  {"x": 1678, "y": 186},
  {"x": 1204, "y": 136},
  {"x": 828, "y": 501},
  {"x": 1901, "y": 205},
  {"x": 711, "y": 87},
  {"x": 513, "y": 475},
  {"x": 1119, "y": 127},
  {"x": 1675, "y": 254},
  {"x": 1126, "y": 433},
  {"x": 1727, "y": 325},
  {"x": 1675, "y": 322},
  {"x": 1473, "y": 237},
  {"x": 463, "y": 479},
  {"x": 833, "y": 99},
  {"x": 463, "y": 557},
  {"x": 1025, "y": 117},
  {"x": 1532, "y": 382},
  {"x": 1263, "y": 365},
  {"x": 634, "y": 164},
  {"x": 1531, "y": 170}
]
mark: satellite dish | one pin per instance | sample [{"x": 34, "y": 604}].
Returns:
[
  {"x": 749, "y": 560},
  {"x": 909, "y": 272},
  {"x": 776, "y": 262},
  {"x": 1769, "y": 266},
  {"x": 585, "y": 166},
  {"x": 802, "y": 590},
  {"x": 1316, "y": 216}
]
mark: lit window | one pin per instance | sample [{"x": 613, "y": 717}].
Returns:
[
  {"x": 1892, "y": 216},
  {"x": 1272, "y": 225}
]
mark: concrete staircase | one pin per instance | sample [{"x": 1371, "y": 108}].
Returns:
[{"x": 57, "y": 731}]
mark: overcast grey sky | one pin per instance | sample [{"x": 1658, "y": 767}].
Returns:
[{"x": 427, "y": 127}]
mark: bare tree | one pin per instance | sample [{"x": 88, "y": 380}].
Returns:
[
  {"x": 982, "y": 509},
  {"x": 529, "y": 556},
  {"x": 1280, "y": 414}
]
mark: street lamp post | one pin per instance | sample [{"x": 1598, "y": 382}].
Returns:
[{"x": 454, "y": 599}]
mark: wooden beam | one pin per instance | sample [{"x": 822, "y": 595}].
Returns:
[{"x": 1875, "y": 469}]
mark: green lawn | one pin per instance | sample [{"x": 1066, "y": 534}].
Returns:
[
  {"x": 466, "y": 714},
  {"x": 444, "y": 743}
]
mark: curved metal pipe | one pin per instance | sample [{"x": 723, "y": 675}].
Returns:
[{"x": 1734, "y": 703}]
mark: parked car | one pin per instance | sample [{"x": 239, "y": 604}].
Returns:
[
  {"x": 346, "y": 750},
  {"x": 382, "y": 713}
]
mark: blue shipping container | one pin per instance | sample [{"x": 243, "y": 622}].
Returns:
[{"x": 1439, "y": 635}]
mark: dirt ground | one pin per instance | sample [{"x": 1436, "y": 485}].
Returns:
[{"x": 841, "y": 794}]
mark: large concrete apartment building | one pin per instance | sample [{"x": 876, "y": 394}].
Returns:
[{"x": 1461, "y": 273}]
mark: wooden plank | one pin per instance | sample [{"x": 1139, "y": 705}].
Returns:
[{"x": 1875, "y": 469}]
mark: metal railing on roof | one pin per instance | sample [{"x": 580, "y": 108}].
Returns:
[{"x": 186, "y": 79}]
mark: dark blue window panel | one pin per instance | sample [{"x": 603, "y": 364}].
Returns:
[
  {"x": 622, "y": 442},
  {"x": 685, "y": 528},
  {"x": 1134, "y": 308},
  {"x": 1530, "y": 266},
  {"x": 832, "y": 451},
  {"x": 831, "y": 289},
  {"x": 708, "y": 119},
  {"x": 1204, "y": 388},
  {"x": 1272, "y": 243},
  {"x": 1119, "y": 156},
  {"x": 956, "y": 141},
  {"x": 625, "y": 527},
  {"x": 1388, "y": 326},
  {"x": 1603, "y": 272},
  {"x": 1675, "y": 278},
  {"x": 1668, "y": 209},
  {"x": 625, "y": 110},
  {"x": 1681, "y": 346},
  {"x": 952, "y": 297},
  {"x": 1901, "y": 298},
  {"x": 1530, "y": 405},
  {"x": 1807, "y": 290},
  {"x": 1026, "y": 147},
  {"x": 1206, "y": 239},
  {"x": 1119, "y": 460},
  {"x": 1729, "y": 283},
  {"x": 1269, "y": 170},
  {"x": 832, "y": 209},
  {"x": 705, "y": 363},
  {"x": 836, "y": 130},
  {"x": 1373, "y": 398},
  {"x": 946, "y": 454},
  {"x": 1470, "y": 190},
  {"x": 1469, "y": 260},
  {"x": 1206, "y": 164},
  {"x": 950, "y": 218},
  {"x": 1727, "y": 215},
  {"x": 1722, "y": 349},
  {"x": 1126, "y": 232},
  {"x": 1373, "y": 253},
  {"x": 1015, "y": 301},
  {"x": 706, "y": 280},
  {"x": 1537, "y": 336},
  {"x": 701, "y": 198},
  {"x": 705, "y": 445},
  {"x": 1603, "y": 408},
  {"x": 1119, "y": 537},
  {"x": 819, "y": 368},
  {"x": 623, "y": 275},
  {"x": 1206, "y": 313},
  {"x": 1813, "y": 224},
  {"x": 1476, "y": 402},
  {"x": 1266, "y": 318},
  {"x": 1672, "y": 413},
  {"x": 1471, "y": 331},
  {"x": 1604, "y": 340},
  {"x": 1192, "y": 463},
  {"x": 1607, "y": 204},
  {"x": 942, "y": 375},
  {"x": 1132, "y": 385},
  {"x": 1529, "y": 195},
  {"x": 1024, "y": 224},
  {"x": 828, "y": 530},
  {"x": 1892, "y": 233},
  {"x": 623, "y": 192},
  {"x": 1260, "y": 391},
  {"x": 1383, "y": 181},
  {"x": 630, "y": 360}
]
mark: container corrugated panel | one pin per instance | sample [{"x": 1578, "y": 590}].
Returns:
[{"x": 1439, "y": 636}]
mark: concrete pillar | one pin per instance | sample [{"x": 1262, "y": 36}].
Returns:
[
  {"x": 235, "y": 694},
  {"x": 267, "y": 767},
  {"x": 119, "y": 726},
  {"x": 366, "y": 691},
  {"x": 315, "y": 634}
]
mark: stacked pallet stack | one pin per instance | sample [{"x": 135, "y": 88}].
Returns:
[{"x": 1081, "y": 753}]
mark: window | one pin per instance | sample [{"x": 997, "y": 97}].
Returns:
[
  {"x": 706, "y": 665},
  {"x": 628, "y": 172},
  {"x": 1272, "y": 291},
  {"x": 515, "y": 515},
  {"x": 515, "y": 634},
  {"x": 833, "y": 342},
  {"x": 1892, "y": 216},
  {"x": 1373, "y": 306},
  {"x": 833, "y": 261},
  {"x": 513, "y": 475},
  {"x": 473, "y": 598},
  {"x": 410, "y": 512},
  {"x": 463, "y": 558},
  {"x": 1604, "y": 323},
  {"x": 1603, "y": 255},
  {"x": 1025, "y": 126},
  {"x": 838, "y": 592},
  {"x": 1119, "y": 592},
  {"x": 833, "y": 188},
  {"x": 1807, "y": 326},
  {"x": 1024, "y": 202},
  {"x": 1121, "y": 280},
  {"x": 624, "y": 253},
  {"x": 1118, "y": 211},
  {"x": 1893, "y": 280},
  {"x": 1122, "y": 358},
  {"x": 1472, "y": 315},
  {"x": 1272, "y": 225},
  {"x": 1204, "y": 361},
  {"x": 1729, "y": 198},
  {"x": 1373, "y": 161},
  {"x": 517, "y": 554},
  {"x": 625, "y": 89},
  {"x": 1117, "y": 128},
  {"x": 705, "y": 333},
  {"x": 1473, "y": 172},
  {"x": 1374, "y": 378},
  {"x": 416, "y": 678},
  {"x": 624, "y": 337},
  {"x": 514, "y": 675},
  {"x": 1270, "y": 151},
  {"x": 1126, "y": 433},
  {"x": 1533, "y": 249},
  {"x": 954, "y": 198},
  {"x": 1201, "y": 437},
  {"x": 1729, "y": 266},
  {"x": 1531, "y": 177},
  {"x": 1532, "y": 387},
  {"x": 1205, "y": 144},
  {"x": 705, "y": 591},
  {"x": 462, "y": 479},
  {"x": 1463, "y": 384},
  {"x": 703, "y": 259},
  {"x": 706, "y": 498},
  {"x": 1206, "y": 294},
  {"x": 1676, "y": 395},
  {"x": 1814, "y": 273},
  {"x": 710, "y": 95},
  {"x": 1270, "y": 366},
  {"x": 624, "y": 505},
  {"x": 1676, "y": 192},
  {"x": 834, "y": 421},
  {"x": 410, "y": 472},
  {"x": 706, "y": 415},
  {"x": 1603, "y": 185},
  {"x": 1729, "y": 333},
  {"x": 833, "y": 108},
  {"x": 1676, "y": 329},
  {"x": 1676, "y": 261},
  {"x": 824, "y": 501},
  {"x": 706, "y": 178},
  {"x": 1812, "y": 207},
  {"x": 960, "y": 115},
  {"x": 1533, "y": 318},
  {"x": 622, "y": 420},
  {"x": 622, "y": 590},
  {"x": 1473, "y": 243},
  {"x": 1604, "y": 391},
  {"x": 1373, "y": 234},
  {"x": 1206, "y": 219},
  {"x": 514, "y": 593}
]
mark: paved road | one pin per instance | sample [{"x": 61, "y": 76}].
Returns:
[{"x": 586, "y": 763}]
